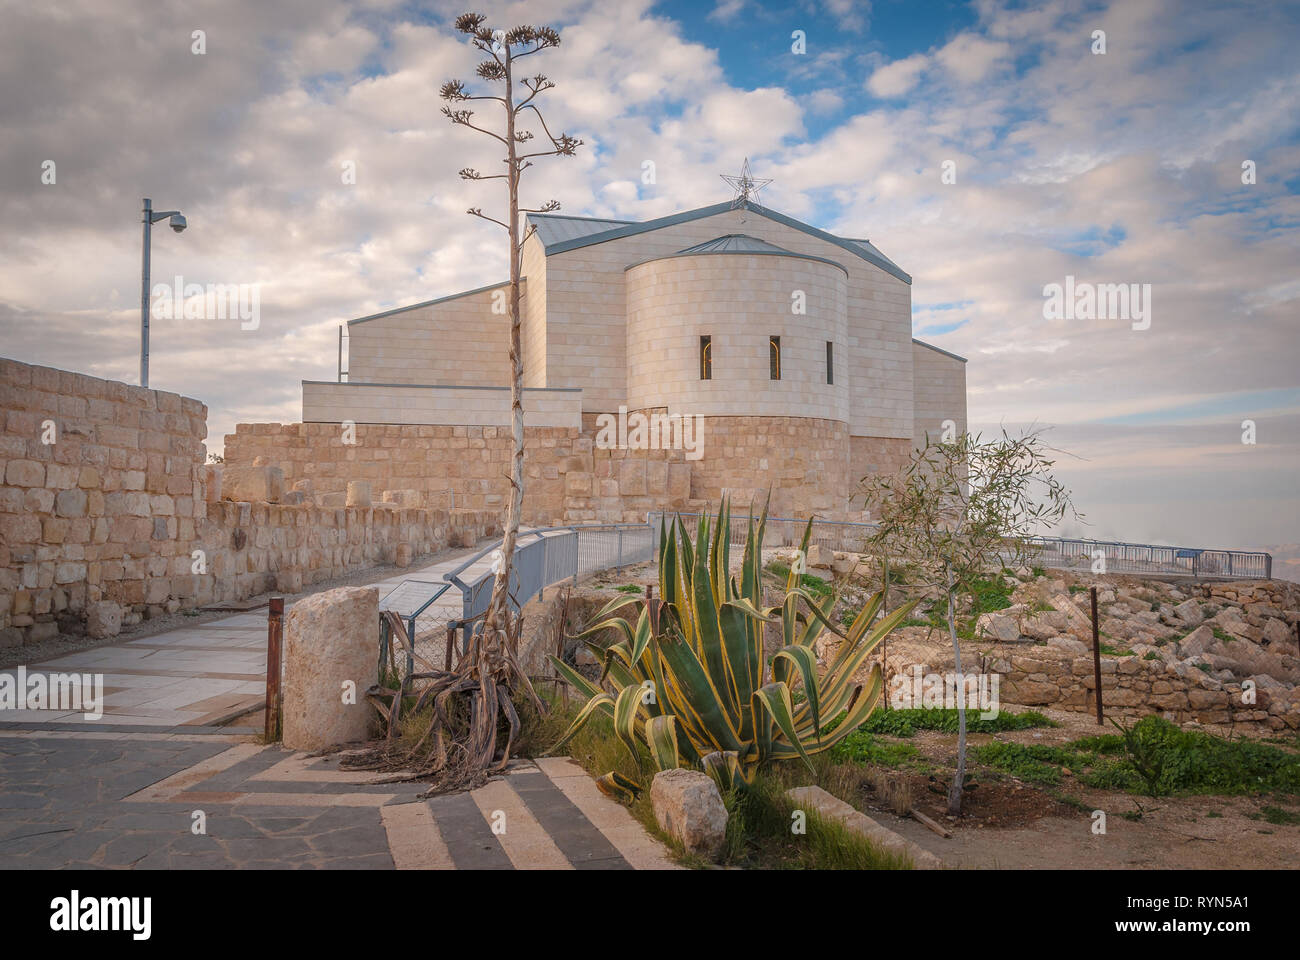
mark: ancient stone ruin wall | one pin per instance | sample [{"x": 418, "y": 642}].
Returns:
[
  {"x": 102, "y": 490},
  {"x": 568, "y": 478},
  {"x": 108, "y": 513},
  {"x": 1218, "y": 653}
]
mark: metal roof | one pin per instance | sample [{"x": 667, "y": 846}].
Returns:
[
  {"x": 736, "y": 243},
  {"x": 931, "y": 346},
  {"x": 553, "y": 228},
  {"x": 592, "y": 232},
  {"x": 873, "y": 249},
  {"x": 430, "y": 303}
]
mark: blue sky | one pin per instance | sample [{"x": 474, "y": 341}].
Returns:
[{"x": 1122, "y": 167}]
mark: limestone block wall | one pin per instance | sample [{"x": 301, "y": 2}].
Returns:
[
  {"x": 331, "y": 402},
  {"x": 875, "y": 455},
  {"x": 586, "y": 305},
  {"x": 939, "y": 391},
  {"x": 102, "y": 489},
  {"x": 740, "y": 301},
  {"x": 104, "y": 501},
  {"x": 254, "y": 548},
  {"x": 568, "y": 478},
  {"x": 803, "y": 461},
  {"x": 1132, "y": 686},
  {"x": 455, "y": 340}
]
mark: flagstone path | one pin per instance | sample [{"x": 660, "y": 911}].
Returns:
[{"x": 159, "y": 782}]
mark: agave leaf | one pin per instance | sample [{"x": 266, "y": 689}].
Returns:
[
  {"x": 823, "y": 616},
  {"x": 575, "y": 679},
  {"x": 725, "y": 768},
  {"x": 804, "y": 660},
  {"x": 618, "y": 603},
  {"x": 709, "y": 645},
  {"x": 615, "y": 623},
  {"x": 862, "y": 703},
  {"x": 813, "y": 628},
  {"x": 599, "y": 701},
  {"x": 838, "y": 680},
  {"x": 625, "y": 708},
  {"x": 618, "y": 787},
  {"x": 661, "y": 736},
  {"x": 695, "y": 698},
  {"x": 766, "y": 614},
  {"x": 641, "y": 637},
  {"x": 775, "y": 699},
  {"x": 667, "y": 563}
]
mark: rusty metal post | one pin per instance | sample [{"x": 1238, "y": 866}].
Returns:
[
  {"x": 451, "y": 644},
  {"x": 1096, "y": 653},
  {"x": 274, "y": 639}
]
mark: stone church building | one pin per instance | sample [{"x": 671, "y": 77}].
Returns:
[{"x": 780, "y": 355}]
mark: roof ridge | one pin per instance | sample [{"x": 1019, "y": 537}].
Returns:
[
  {"x": 630, "y": 228},
  {"x": 574, "y": 216}
]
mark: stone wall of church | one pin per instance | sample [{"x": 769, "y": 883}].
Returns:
[
  {"x": 463, "y": 340},
  {"x": 803, "y": 462},
  {"x": 739, "y": 301},
  {"x": 586, "y": 318},
  {"x": 939, "y": 392},
  {"x": 875, "y": 455},
  {"x": 571, "y": 475}
]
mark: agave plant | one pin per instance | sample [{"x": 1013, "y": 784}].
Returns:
[{"x": 688, "y": 678}]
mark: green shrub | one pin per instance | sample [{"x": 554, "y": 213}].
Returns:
[
  {"x": 905, "y": 723},
  {"x": 1155, "y": 757}
]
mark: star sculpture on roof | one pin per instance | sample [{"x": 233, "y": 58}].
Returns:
[{"x": 746, "y": 186}]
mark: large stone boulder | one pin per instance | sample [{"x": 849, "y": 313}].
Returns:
[
  {"x": 1001, "y": 625},
  {"x": 358, "y": 493},
  {"x": 331, "y": 647},
  {"x": 1277, "y": 632},
  {"x": 252, "y": 484},
  {"x": 103, "y": 619},
  {"x": 1197, "y": 642},
  {"x": 689, "y": 808},
  {"x": 1189, "y": 611},
  {"x": 1077, "y": 623}
]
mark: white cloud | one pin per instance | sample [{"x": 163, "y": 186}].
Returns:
[
  {"x": 1133, "y": 157},
  {"x": 897, "y": 78}
]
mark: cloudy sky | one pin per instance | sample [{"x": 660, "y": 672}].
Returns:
[{"x": 1123, "y": 167}]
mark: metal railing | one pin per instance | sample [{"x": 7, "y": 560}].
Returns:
[
  {"x": 1056, "y": 552},
  {"x": 543, "y": 557}
]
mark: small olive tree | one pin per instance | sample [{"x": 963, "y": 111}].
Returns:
[{"x": 959, "y": 509}]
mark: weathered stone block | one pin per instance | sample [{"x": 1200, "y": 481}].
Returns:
[
  {"x": 103, "y": 619},
  {"x": 358, "y": 493},
  {"x": 688, "y": 807},
  {"x": 331, "y": 641}
]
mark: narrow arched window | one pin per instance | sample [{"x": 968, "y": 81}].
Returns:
[
  {"x": 774, "y": 357},
  {"x": 830, "y": 362},
  {"x": 706, "y": 358}
]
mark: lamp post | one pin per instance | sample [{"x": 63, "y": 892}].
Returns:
[{"x": 177, "y": 223}]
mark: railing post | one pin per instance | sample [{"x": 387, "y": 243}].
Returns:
[
  {"x": 619, "y": 566},
  {"x": 1096, "y": 653},
  {"x": 274, "y": 638}
]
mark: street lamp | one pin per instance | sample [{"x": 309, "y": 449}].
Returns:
[{"x": 177, "y": 223}]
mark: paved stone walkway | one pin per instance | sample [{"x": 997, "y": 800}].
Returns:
[{"x": 157, "y": 783}]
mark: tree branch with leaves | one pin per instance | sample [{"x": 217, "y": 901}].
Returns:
[{"x": 959, "y": 510}]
